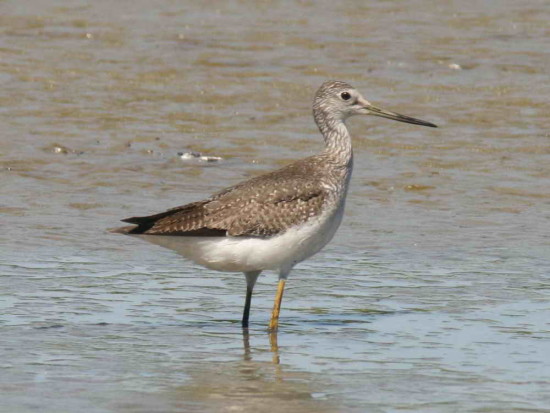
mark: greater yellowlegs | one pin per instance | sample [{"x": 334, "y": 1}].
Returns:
[{"x": 275, "y": 220}]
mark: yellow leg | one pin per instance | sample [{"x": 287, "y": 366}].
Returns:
[{"x": 274, "y": 323}]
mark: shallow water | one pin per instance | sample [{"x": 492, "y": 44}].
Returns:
[{"x": 433, "y": 296}]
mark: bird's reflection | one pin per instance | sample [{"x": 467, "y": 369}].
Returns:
[
  {"x": 252, "y": 382},
  {"x": 274, "y": 346},
  {"x": 246, "y": 345}
]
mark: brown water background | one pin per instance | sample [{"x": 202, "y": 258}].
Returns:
[{"x": 433, "y": 296}]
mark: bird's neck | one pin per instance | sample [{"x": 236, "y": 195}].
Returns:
[{"x": 337, "y": 138}]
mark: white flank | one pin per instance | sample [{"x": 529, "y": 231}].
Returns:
[{"x": 246, "y": 254}]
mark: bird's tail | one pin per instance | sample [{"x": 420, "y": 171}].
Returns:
[{"x": 122, "y": 230}]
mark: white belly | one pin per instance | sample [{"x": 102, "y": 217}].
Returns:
[{"x": 245, "y": 254}]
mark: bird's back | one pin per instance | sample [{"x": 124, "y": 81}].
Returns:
[{"x": 264, "y": 206}]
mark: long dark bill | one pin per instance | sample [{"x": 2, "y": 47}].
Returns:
[{"x": 396, "y": 116}]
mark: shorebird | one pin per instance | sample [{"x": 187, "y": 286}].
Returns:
[{"x": 275, "y": 220}]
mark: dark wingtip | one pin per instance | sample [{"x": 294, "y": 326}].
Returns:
[
  {"x": 142, "y": 224},
  {"x": 133, "y": 220}
]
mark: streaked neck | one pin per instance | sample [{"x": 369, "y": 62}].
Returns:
[{"x": 337, "y": 137}]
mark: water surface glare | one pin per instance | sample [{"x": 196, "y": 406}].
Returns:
[{"x": 434, "y": 294}]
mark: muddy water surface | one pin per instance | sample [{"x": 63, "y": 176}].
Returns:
[{"x": 434, "y": 295}]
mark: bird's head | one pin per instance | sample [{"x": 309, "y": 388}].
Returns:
[{"x": 339, "y": 101}]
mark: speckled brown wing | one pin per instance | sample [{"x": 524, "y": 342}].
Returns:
[
  {"x": 183, "y": 220},
  {"x": 265, "y": 216},
  {"x": 263, "y": 206}
]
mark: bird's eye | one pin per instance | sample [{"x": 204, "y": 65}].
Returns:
[{"x": 345, "y": 95}]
